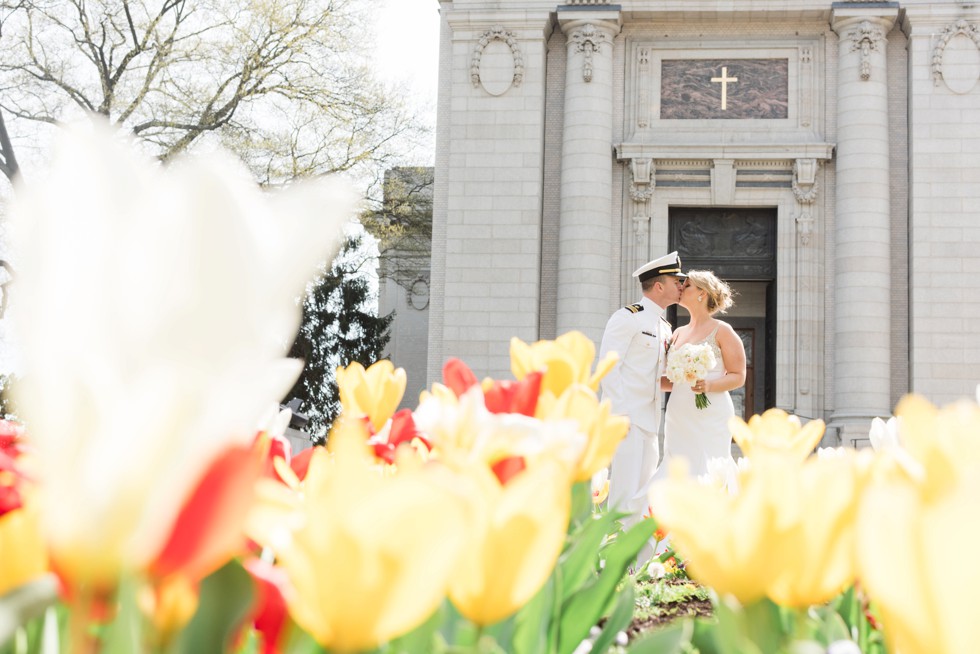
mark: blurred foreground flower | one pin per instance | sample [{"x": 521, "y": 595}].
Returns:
[
  {"x": 22, "y": 551},
  {"x": 600, "y": 486},
  {"x": 788, "y": 531},
  {"x": 372, "y": 393},
  {"x": 776, "y": 432},
  {"x": 516, "y": 534},
  {"x": 368, "y": 555},
  {"x": 918, "y": 532},
  {"x": 564, "y": 361},
  {"x": 153, "y": 308},
  {"x": 603, "y": 430}
]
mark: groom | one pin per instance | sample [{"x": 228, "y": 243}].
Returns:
[{"x": 639, "y": 333}]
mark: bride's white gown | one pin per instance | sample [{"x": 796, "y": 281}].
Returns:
[{"x": 696, "y": 434}]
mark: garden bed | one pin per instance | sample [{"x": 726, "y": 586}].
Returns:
[{"x": 661, "y": 601}]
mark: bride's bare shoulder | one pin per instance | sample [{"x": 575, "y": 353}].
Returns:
[{"x": 726, "y": 334}]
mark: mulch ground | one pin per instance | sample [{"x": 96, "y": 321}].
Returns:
[{"x": 663, "y": 613}]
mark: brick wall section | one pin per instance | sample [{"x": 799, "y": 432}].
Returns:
[
  {"x": 551, "y": 197},
  {"x": 898, "y": 150}
]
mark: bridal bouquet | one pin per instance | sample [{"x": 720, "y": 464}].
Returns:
[{"x": 689, "y": 363}]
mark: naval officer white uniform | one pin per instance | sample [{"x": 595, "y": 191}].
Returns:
[{"x": 639, "y": 333}]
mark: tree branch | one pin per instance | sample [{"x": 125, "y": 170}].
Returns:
[{"x": 8, "y": 164}]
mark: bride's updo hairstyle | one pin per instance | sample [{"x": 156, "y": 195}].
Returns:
[{"x": 717, "y": 292}]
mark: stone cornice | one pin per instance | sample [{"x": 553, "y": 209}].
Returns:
[
  {"x": 739, "y": 152},
  {"x": 928, "y": 20},
  {"x": 605, "y": 17},
  {"x": 470, "y": 25},
  {"x": 845, "y": 17}
]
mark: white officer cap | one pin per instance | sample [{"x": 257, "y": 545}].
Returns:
[{"x": 669, "y": 264}]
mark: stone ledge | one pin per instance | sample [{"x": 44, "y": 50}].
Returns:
[{"x": 739, "y": 152}]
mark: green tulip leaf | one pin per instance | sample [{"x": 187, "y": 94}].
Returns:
[
  {"x": 24, "y": 603},
  {"x": 125, "y": 634},
  {"x": 532, "y": 624},
  {"x": 618, "y": 621},
  {"x": 225, "y": 599},
  {"x": 581, "y": 503},
  {"x": 421, "y": 638},
  {"x": 667, "y": 640},
  {"x": 579, "y": 561},
  {"x": 584, "y": 609}
]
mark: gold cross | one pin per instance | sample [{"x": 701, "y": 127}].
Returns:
[{"x": 724, "y": 79}]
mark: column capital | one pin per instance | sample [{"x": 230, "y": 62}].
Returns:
[
  {"x": 586, "y": 32},
  {"x": 846, "y": 16}
]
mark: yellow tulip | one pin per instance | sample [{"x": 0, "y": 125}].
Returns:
[
  {"x": 917, "y": 532},
  {"x": 22, "y": 549},
  {"x": 565, "y": 361},
  {"x": 517, "y": 533},
  {"x": 368, "y": 554},
  {"x": 787, "y": 534},
  {"x": 374, "y": 392},
  {"x": 729, "y": 541},
  {"x": 776, "y": 432},
  {"x": 825, "y": 493},
  {"x": 595, "y": 420},
  {"x": 169, "y": 605}
]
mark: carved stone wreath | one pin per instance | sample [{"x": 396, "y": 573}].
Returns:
[
  {"x": 497, "y": 33},
  {"x": 641, "y": 192},
  {"x": 805, "y": 196},
  {"x": 959, "y": 27}
]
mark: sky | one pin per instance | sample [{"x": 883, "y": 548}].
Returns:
[{"x": 408, "y": 51}]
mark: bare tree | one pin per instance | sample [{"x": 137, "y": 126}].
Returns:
[
  {"x": 8, "y": 162},
  {"x": 402, "y": 224},
  {"x": 285, "y": 83}
]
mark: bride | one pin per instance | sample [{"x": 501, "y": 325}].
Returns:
[{"x": 700, "y": 435}]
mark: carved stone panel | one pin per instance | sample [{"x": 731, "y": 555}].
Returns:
[{"x": 734, "y": 243}]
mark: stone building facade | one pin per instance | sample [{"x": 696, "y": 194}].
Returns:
[{"x": 824, "y": 157}]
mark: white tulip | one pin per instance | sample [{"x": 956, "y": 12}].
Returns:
[{"x": 154, "y": 307}]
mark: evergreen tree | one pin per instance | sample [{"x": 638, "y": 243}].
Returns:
[{"x": 339, "y": 327}]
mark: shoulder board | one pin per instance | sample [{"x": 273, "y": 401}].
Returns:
[{"x": 634, "y": 308}]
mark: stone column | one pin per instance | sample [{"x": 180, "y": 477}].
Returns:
[
  {"x": 585, "y": 229},
  {"x": 862, "y": 323}
]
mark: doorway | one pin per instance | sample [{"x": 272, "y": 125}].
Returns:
[{"x": 739, "y": 246}]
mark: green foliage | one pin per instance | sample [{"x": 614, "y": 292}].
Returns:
[
  {"x": 339, "y": 326},
  {"x": 225, "y": 600}
]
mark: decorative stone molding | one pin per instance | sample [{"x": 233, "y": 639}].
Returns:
[
  {"x": 804, "y": 225},
  {"x": 642, "y": 185},
  {"x": 960, "y": 27},
  {"x": 641, "y": 193},
  {"x": 805, "y": 187},
  {"x": 867, "y": 38},
  {"x": 806, "y": 82},
  {"x": 805, "y": 180},
  {"x": 418, "y": 293},
  {"x": 588, "y": 40},
  {"x": 497, "y": 33},
  {"x": 643, "y": 66}
]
